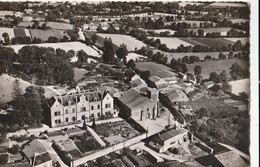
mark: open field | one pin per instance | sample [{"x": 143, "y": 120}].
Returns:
[
  {"x": 6, "y": 82},
  {"x": 214, "y": 42},
  {"x": 76, "y": 46},
  {"x": 9, "y": 31},
  {"x": 155, "y": 69},
  {"x": 52, "y": 25},
  {"x": 118, "y": 39},
  {"x": 238, "y": 20},
  {"x": 172, "y": 43},
  {"x": 216, "y": 66},
  {"x": 45, "y": 34},
  {"x": 59, "y": 26},
  {"x": 133, "y": 56},
  {"x": 225, "y": 4},
  {"x": 239, "y": 86},
  {"x": 193, "y": 41},
  {"x": 243, "y": 40},
  {"x": 159, "y": 31},
  {"x": 201, "y": 55}
]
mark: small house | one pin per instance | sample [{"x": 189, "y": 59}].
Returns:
[{"x": 208, "y": 84}]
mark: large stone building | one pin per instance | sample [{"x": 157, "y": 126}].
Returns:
[
  {"x": 79, "y": 106},
  {"x": 139, "y": 107}
]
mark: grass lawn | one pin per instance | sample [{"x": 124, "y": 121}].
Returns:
[
  {"x": 6, "y": 82},
  {"x": 216, "y": 66},
  {"x": 79, "y": 73},
  {"x": 155, "y": 69}
]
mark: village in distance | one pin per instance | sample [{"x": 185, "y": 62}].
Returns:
[{"x": 124, "y": 84}]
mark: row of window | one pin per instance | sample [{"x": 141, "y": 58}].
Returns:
[
  {"x": 108, "y": 105},
  {"x": 58, "y": 121}
]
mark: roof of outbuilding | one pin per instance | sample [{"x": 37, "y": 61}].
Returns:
[
  {"x": 171, "y": 133},
  {"x": 134, "y": 100}
]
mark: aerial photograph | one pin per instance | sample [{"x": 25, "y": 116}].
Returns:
[{"x": 124, "y": 84}]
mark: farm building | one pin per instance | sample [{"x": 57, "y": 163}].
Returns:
[
  {"x": 132, "y": 104},
  {"x": 157, "y": 82},
  {"x": 164, "y": 140},
  {"x": 175, "y": 95},
  {"x": 223, "y": 159},
  {"x": 39, "y": 153}
]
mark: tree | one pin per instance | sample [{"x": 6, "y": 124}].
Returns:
[
  {"x": 236, "y": 71},
  {"x": 17, "y": 90},
  {"x": 200, "y": 33},
  {"x": 122, "y": 52},
  {"x": 131, "y": 63},
  {"x": 226, "y": 87},
  {"x": 82, "y": 56},
  {"x": 108, "y": 50},
  {"x": 6, "y": 38},
  {"x": 14, "y": 149},
  {"x": 214, "y": 77},
  {"x": 94, "y": 38},
  {"x": 197, "y": 70}
]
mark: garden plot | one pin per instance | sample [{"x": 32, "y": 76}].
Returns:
[
  {"x": 9, "y": 31},
  {"x": 240, "y": 86},
  {"x": 155, "y": 69},
  {"x": 59, "y": 26},
  {"x": 172, "y": 43},
  {"x": 133, "y": 56},
  {"x": 243, "y": 40},
  {"x": 76, "y": 46},
  {"x": 115, "y": 132},
  {"x": 118, "y": 39},
  {"x": 216, "y": 66}
]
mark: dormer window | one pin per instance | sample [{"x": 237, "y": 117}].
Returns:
[{"x": 95, "y": 99}]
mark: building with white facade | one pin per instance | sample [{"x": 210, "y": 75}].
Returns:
[{"x": 79, "y": 106}]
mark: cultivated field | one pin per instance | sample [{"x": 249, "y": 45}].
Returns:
[
  {"x": 45, "y": 34},
  {"x": 76, "y": 46},
  {"x": 230, "y": 4},
  {"x": 9, "y": 31},
  {"x": 155, "y": 69},
  {"x": 118, "y": 39},
  {"x": 133, "y": 56},
  {"x": 214, "y": 42},
  {"x": 59, "y": 26},
  {"x": 243, "y": 40},
  {"x": 172, "y": 43},
  {"x": 193, "y": 41},
  {"x": 216, "y": 66},
  {"x": 239, "y": 86}
]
